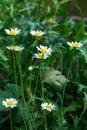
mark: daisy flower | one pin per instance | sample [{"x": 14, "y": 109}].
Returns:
[
  {"x": 48, "y": 106},
  {"x": 12, "y": 31},
  {"x": 44, "y": 49},
  {"x": 74, "y": 44},
  {"x": 11, "y": 102},
  {"x": 15, "y": 48},
  {"x": 37, "y": 33},
  {"x": 41, "y": 55}
]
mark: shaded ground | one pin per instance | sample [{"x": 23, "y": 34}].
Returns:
[{"x": 77, "y": 7}]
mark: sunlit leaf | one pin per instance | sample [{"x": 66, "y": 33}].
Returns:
[{"x": 54, "y": 77}]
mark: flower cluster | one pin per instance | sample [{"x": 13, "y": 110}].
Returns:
[
  {"x": 13, "y": 32},
  {"x": 44, "y": 52}
]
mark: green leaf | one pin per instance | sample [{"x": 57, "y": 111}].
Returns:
[
  {"x": 83, "y": 51},
  {"x": 72, "y": 107},
  {"x": 64, "y": 1},
  {"x": 2, "y": 55},
  {"x": 54, "y": 77},
  {"x": 81, "y": 88},
  {"x": 11, "y": 88}
]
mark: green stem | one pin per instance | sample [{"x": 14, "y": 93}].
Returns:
[
  {"x": 29, "y": 88},
  {"x": 45, "y": 121},
  {"x": 23, "y": 116},
  {"x": 84, "y": 109},
  {"x": 21, "y": 81},
  {"x": 15, "y": 74},
  {"x": 29, "y": 117},
  {"x": 37, "y": 77},
  {"x": 61, "y": 59},
  {"x": 11, "y": 120},
  {"x": 56, "y": 10},
  {"x": 42, "y": 85},
  {"x": 64, "y": 88}
]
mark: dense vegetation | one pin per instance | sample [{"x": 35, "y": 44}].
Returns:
[{"x": 43, "y": 66}]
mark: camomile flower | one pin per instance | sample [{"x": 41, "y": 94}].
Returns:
[
  {"x": 12, "y": 31},
  {"x": 41, "y": 55},
  {"x": 48, "y": 106},
  {"x": 37, "y": 33},
  {"x": 15, "y": 48},
  {"x": 44, "y": 49},
  {"x": 11, "y": 102},
  {"x": 74, "y": 44}
]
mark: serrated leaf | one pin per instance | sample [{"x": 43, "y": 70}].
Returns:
[
  {"x": 83, "y": 51},
  {"x": 54, "y": 77},
  {"x": 72, "y": 107},
  {"x": 81, "y": 88}
]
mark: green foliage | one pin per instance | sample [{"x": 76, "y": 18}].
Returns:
[
  {"x": 83, "y": 51},
  {"x": 61, "y": 79},
  {"x": 54, "y": 78}
]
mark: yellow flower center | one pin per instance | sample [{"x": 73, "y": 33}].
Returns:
[
  {"x": 51, "y": 20},
  {"x": 12, "y": 48},
  {"x": 48, "y": 106},
  {"x": 12, "y": 32},
  {"x": 44, "y": 50},
  {"x": 40, "y": 55},
  {"x": 10, "y": 103},
  {"x": 75, "y": 45},
  {"x": 37, "y": 34}
]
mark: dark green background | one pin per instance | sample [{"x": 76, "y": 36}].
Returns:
[{"x": 77, "y": 7}]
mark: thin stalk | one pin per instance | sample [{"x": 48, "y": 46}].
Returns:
[
  {"x": 56, "y": 10},
  {"x": 29, "y": 118},
  {"x": 21, "y": 84},
  {"x": 84, "y": 110},
  {"x": 61, "y": 60},
  {"x": 11, "y": 120},
  {"x": 42, "y": 85},
  {"x": 29, "y": 88},
  {"x": 45, "y": 121},
  {"x": 15, "y": 74},
  {"x": 37, "y": 77},
  {"x": 30, "y": 96},
  {"x": 23, "y": 118},
  {"x": 21, "y": 81},
  {"x": 69, "y": 70}
]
